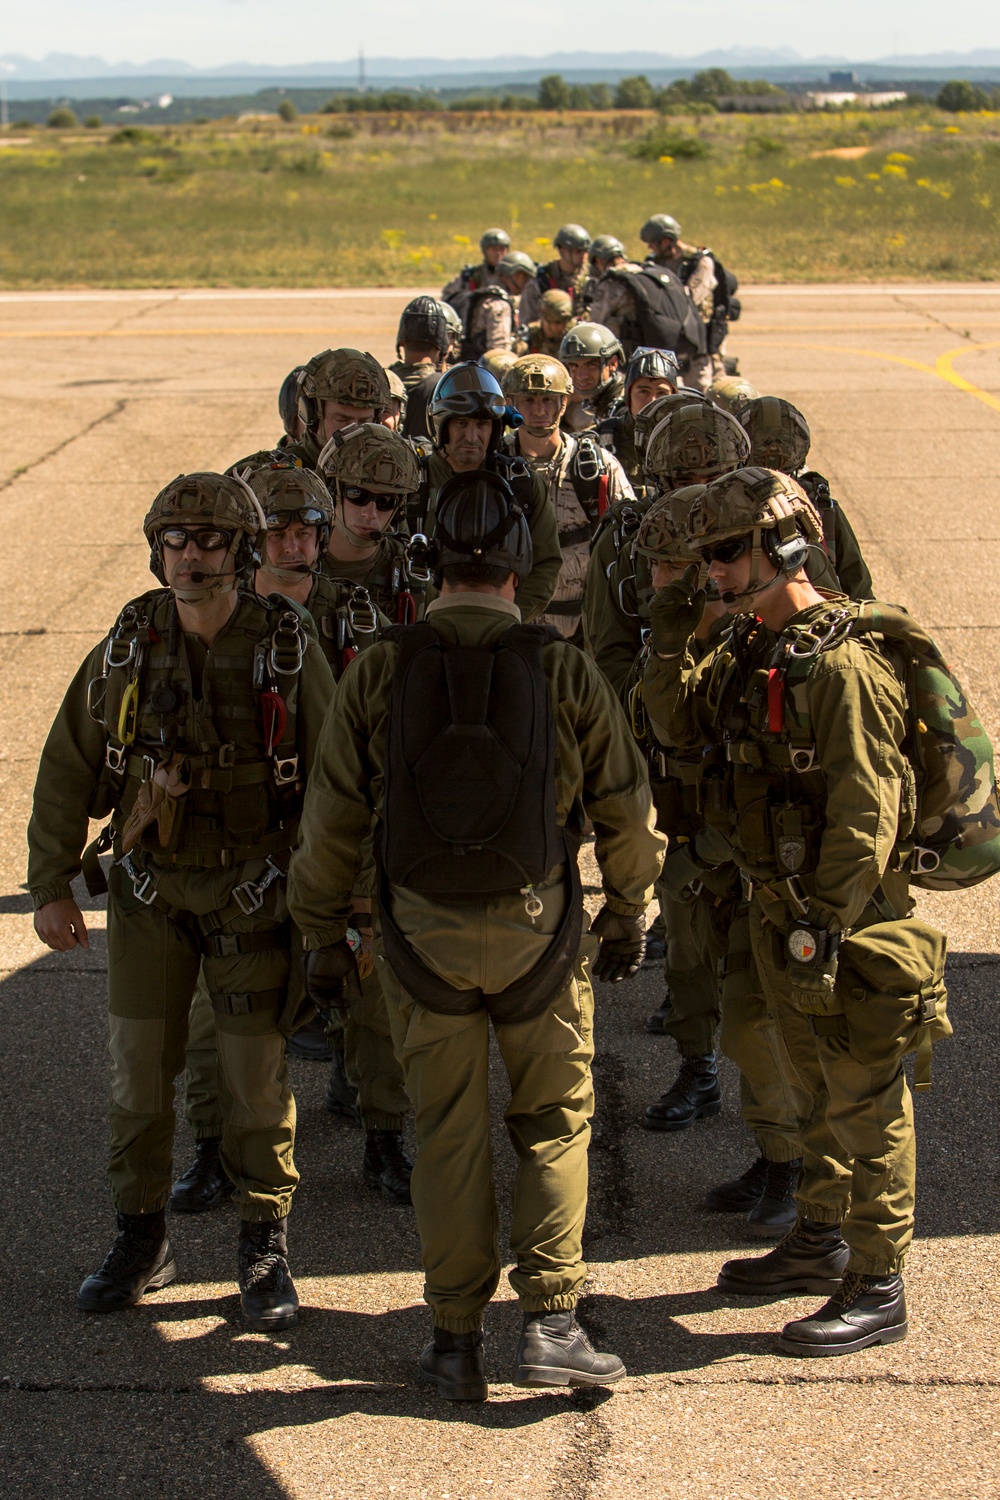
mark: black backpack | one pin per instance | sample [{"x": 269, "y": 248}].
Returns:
[
  {"x": 726, "y": 306},
  {"x": 664, "y": 316}
]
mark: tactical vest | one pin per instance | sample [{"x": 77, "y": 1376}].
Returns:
[
  {"x": 469, "y": 807},
  {"x": 352, "y": 615},
  {"x": 662, "y": 315},
  {"x": 236, "y": 728},
  {"x": 474, "y": 342}
]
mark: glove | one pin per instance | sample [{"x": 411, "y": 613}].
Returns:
[
  {"x": 675, "y": 613},
  {"x": 331, "y": 975},
  {"x": 623, "y": 945}
]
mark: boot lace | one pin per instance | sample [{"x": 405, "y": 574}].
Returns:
[
  {"x": 263, "y": 1264},
  {"x": 849, "y": 1289}
]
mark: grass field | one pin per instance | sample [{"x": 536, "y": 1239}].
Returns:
[{"x": 387, "y": 200}]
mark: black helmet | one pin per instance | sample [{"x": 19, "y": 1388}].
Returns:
[
  {"x": 467, "y": 390},
  {"x": 651, "y": 364},
  {"x": 478, "y": 520},
  {"x": 424, "y": 321},
  {"x": 573, "y": 237},
  {"x": 660, "y": 227},
  {"x": 288, "y": 401},
  {"x": 494, "y": 239}
]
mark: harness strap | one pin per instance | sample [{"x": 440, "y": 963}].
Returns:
[{"x": 246, "y": 1003}]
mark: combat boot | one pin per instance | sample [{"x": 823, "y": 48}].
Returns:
[
  {"x": 775, "y": 1212},
  {"x": 140, "y": 1260},
  {"x": 742, "y": 1193},
  {"x": 386, "y": 1165},
  {"x": 693, "y": 1095},
  {"x": 656, "y": 951},
  {"x": 456, "y": 1364},
  {"x": 204, "y": 1185},
  {"x": 554, "y": 1350},
  {"x": 863, "y": 1310},
  {"x": 656, "y": 1022},
  {"x": 267, "y": 1291},
  {"x": 340, "y": 1097},
  {"x": 811, "y": 1258},
  {"x": 310, "y": 1042}
]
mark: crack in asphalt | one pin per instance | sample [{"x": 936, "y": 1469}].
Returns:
[
  {"x": 115, "y": 411},
  {"x": 908, "y": 306}
]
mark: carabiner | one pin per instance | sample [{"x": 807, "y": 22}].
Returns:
[{"x": 128, "y": 713}]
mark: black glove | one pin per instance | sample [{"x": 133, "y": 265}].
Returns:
[
  {"x": 331, "y": 975},
  {"x": 675, "y": 613},
  {"x": 623, "y": 945}
]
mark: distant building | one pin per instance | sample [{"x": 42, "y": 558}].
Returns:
[
  {"x": 843, "y": 80},
  {"x": 840, "y": 99}
]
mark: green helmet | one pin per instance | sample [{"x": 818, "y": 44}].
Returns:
[
  {"x": 352, "y": 376},
  {"x": 589, "y": 341},
  {"x": 606, "y": 247},
  {"x": 769, "y": 508},
  {"x": 732, "y": 393},
  {"x": 779, "y": 433},
  {"x": 371, "y": 457},
  {"x": 695, "y": 439},
  {"x": 494, "y": 239},
  {"x": 660, "y": 227},
  {"x": 207, "y": 500},
  {"x": 513, "y": 263},
  {"x": 536, "y": 373},
  {"x": 571, "y": 237},
  {"x": 662, "y": 534},
  {"x": 652, "y": 415}
]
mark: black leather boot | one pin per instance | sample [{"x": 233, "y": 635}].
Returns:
[
  {"x": 204, "y": 1185},
  {"x": 340, "y": 1096},
  {"x": 656, "y": 1022},
  {"x": 267, "y": 1290},
  {"x": 140, "y": 1260},
  {"x": 693, "y": 1095},
  {"x": 386, "y": 1165},
  {"x": 456, "y": 1364},
  {"x": 863, "y": 1310},
  {"x": 656, "y": 949},
  {"x": 811, "y": 1258},
  {"x": 775, "y": 1212},
  {"x": 310, "y": 1042},
  {"x": 742, "y": 1193},
  {"x": 554, "y": 1350}
]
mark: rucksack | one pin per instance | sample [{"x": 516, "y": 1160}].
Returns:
[
  {"x": 664, "y": 316},
  {"x": 474, "y": 344},
  {"x": 957, "y": 832}
]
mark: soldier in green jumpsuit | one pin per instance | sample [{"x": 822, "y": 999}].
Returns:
[
  {"x": 515, "y": 955},
  {"x": 335, "y": 389},
  {"x": 807, "y": 779},
  {"x": 194, "y": 726}
]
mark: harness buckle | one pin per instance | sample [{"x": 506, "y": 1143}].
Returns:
[
  {"x": 361, "y": 611},
  {"x": 286, "y": 769},
  {"x": 803, "y": 758},
  {"x": 827, "y": 630},
  {"x": 417, "y": 557},
  {"x": 794, "y": 890},
  {"x": 115, "y": 758},
  {"x": 227, "y": 756},
  {"x": 587, "y": 461},
  {"x": 924, "y": 860},
  {"x": 142, "y": 881},
  {"x": 288, "y": 646},
  {"x": 249, "y": 896}
]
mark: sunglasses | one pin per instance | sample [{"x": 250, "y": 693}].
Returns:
[
  {"x": 205, "y": 538},
  {"x": 354, "y": 495},
  {"x": 280, "y": 520},
  {"x": 726, "y": 552}
]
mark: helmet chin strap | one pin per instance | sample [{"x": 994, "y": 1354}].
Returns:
[
  {"x": 538, "y": 431},
  {"x": 754, "y": 586},
  {"x": 294, "y": 573}
]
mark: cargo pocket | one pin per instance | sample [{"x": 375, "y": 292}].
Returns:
[{"x": 891, "y": 983}]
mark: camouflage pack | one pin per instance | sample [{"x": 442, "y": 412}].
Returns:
[{"x": 957, "y": 831}]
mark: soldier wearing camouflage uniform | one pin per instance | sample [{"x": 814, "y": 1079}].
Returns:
[
  {"x": 606, "y": 251},
  {"x": 592, "y": 355},
  {"x": 194, "y": 726},
  {"x": 565, "y": 274},
  {"x": 583, "y": 480},
  {"x": 805, "y": 775},
  {"x": 696, "y": 269},
  {"x": 336, "y": 388},
  {"x": 649, "y": 375},
  {"x": 491, "y": 318},
  {"x": 732, "y": 393},
  {"x": 555, "y": 317},
  {"x": 494, "y": 243}
]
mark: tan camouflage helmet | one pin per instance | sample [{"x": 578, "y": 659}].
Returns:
[
  {"x": 652, "y": 414},
  {"x": 556, "y": 306},
  {"x": 397, "y": 390},
  {"x": 371, "y": 457},
  {"x": 695, "y": 440},
  {"x": 206, "y": 500},
  {"x": 779, "y": 434},
  {"x": 284, "y": 488},
  {"x": 662, "y": 534},
  {"x": 536, "y": 374},
  {"x": 498, "y": 362},
  {"x": 352, "y": 376},
  {"x": 769, "y": 508},
  {"x": 732, "y": 393}
]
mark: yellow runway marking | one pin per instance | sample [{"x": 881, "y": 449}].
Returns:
[{"x": 943, "y": 367}]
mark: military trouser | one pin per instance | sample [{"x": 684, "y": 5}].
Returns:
[
  {"x": 857, "y": 1138},
  {"x": 445, "y": 1062},
  {"x": 202, "y": 1106},
  {"x": 690, "y": 975},
  {"x": 370, "y": 1062},
  {"x": 154, "y": 959}
]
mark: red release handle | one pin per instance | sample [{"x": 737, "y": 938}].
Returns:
[
  {"x": 775, "y": 700},
  {"x": 275, "y": 718}
]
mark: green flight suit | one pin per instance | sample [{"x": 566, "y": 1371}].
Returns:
[
  {"x": 208, "y": 893},
  {"x": 488, "y": 944},
  {"x": 825, "y": 837}
]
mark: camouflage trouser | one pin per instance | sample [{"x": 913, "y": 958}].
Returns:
[
  {"x": 856, "y": 1133},
  {"x": 370, "y": 1062},
  {"x": 154, "y": 960},
  {"x": 446, "y": 1065}
]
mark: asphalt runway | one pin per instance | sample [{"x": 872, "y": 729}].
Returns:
[{"x": 105, "y": 397}]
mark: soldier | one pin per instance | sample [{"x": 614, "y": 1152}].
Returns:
[
  {"x": 779, "y": 439},
  {"x": 394, "y": 415},
  {"x": 497, "y": 362},
  {"x": 710, "y": 286},
  {"x": 565, "y": 274},
  {"x": 193, "y": 725},
  {"x": 555, "y": 316},
  {"x": 494, "y": 243},
  {"x": 732, "y": 393},
  {"x": 424, "y": 339},
  {"x": 583, "y": 480},
  {"x": 336, "y": 388},
  {"x": 605, "y": 251},
  {"x": 490, "y": 315},
  {"x": 288, "y": 408},
  {"x": 649, "y": 375},
  {"x": 468, "y": 414},
  {"x": 592, "y": 355},
  {"x": 480, "y": 921}
]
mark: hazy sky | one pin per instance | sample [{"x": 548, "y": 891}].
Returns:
[{"x": 206, "y": 32}]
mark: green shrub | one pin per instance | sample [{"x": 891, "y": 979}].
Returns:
[
  {"x": 133, "y": 135},
  {"x": 93, "y": 122},
  {"x": 659, "y": 142},
  {"x": 287, "y": 111},
  {"x": 553, "y": 92},
  {"x": 956, "y": 95},
  {"x": 62, "y": 119},
  {"x": 635, "y": 93}
]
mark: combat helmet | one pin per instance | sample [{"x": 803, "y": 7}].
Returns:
[
  {"x": 352, "y": 376},
  {"x": 571, "y": 237},
  {"x": 513, "y": 263},
  {"x": 663, "y": 531},
  {"x": 605, "y": 247},
  {"x": 285, "y": 490},
  {"x": 768, "y": 508},
  {"x": 498, "y": 362},
  {"x": 424, "y": 321},
  {"x": 695, "y": 439},
  {"x": 397, "y": 391},
  {"x": 732, "y": 392},
  {"x": 779, "y": 433},
  {"x": 494, "y": 239},
  {"x": 660, "y": 227},
  {"x": 538, "y": 374},
  {"x": 209, "y": 501},
  {"x": 478, "y": 520},
  {"x": 590, "y": 341},
  {"x": 288, "y": 402},
  {"x": 368, "y": 456},
  {"x": 556, "y": 306},
  {"x": 652, "y": 415},
  {"x": 468, "y": 390}
]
